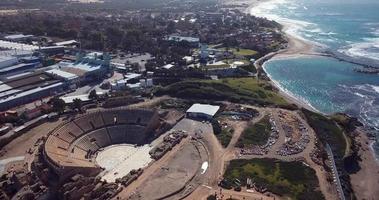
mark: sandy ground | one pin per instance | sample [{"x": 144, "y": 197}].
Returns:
[
  {"x": 20, "y": 145},
  {"x": 365, "y": 182}
]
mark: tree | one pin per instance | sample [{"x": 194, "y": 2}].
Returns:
[
  {"x": 77, "y": 104},
  {"x": 93, "y": 95},
  {"x": 58, "y": 105}
]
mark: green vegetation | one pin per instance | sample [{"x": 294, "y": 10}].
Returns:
[
  {"x": 250, "y": 68},
  {"x": 292, "y": 179},
  {"x": 225, "y": 136},
  {"x": 241, "y": 52},
  {"x": 218, "y": 66},
  {"x": 240, "y": 90},
  {"x": 256, "y": 134},
  {"x": 328, "y": 132},
  {"x": 58, "y": 105}
]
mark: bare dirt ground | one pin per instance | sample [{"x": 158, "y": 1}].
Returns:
[
  {"x": 327, "y": 189},
  {"x": 172, "y": 176},
  {"x": 365, "y": 182},
  {"x": 20, "y": 145}
]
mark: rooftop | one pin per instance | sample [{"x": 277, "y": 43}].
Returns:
[
  {"x": 64, "y": 43},
  {"x": 183, "y": 38},
  {"x": 15, "y": 45},
  {"x": 17, "y": 36},
  {"x": 203, "y": 108},
  {"x": 63, "y": 74},
  {"x": 70, "y": 99},
  {"x": 168, "y": 66}
]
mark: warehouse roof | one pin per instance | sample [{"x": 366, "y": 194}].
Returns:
[
  {"x": 63, "y": 74},
  {"x": 204, "y": 109}
]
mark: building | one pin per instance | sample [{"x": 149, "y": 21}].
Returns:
[
  {"x": 18, "y": 37},
  {"x": 131, "y": 78},
  {"x": 72, "y": 79},
  {"x": 11, "y": 65},
  {"x": 70, "y": 99},
  {"x": 202, "y": 111},
  {"x": 6, "y": 61},
  {"x": 69, "y": 43},
  {"x": 17, "y": 46},
  {"x": 168, "y": 66},
  {"x": 193, "y": 41},
  {"x": 87, "y": 67},
  {"x": 29, "y": 87},
  {"x": 52, "y": 50}
]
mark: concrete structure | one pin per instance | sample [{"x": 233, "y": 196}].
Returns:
[
  {"x": 69, "y": 149},
  {"x": 202, "y": 111}
]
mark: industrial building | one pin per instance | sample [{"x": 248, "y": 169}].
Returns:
[
  {"x": 27, "y": 88},
  {"x": 87, "y": 67},
  {"x": 202, "y": 111},
  {"x": 12, "y": 65}
]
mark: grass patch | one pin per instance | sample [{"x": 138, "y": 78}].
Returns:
[
  {"x": 256, "y": 134},
  {"x": 328, "y": 131},
  {"x": 225, "y": 136},
  {"x": 241, "y": 52},
  {"x": 220, "y": 66},
  {"x": 239, "y": 90},
  {"x": 250, "y": 68},
  {"x": 292, "y": 179}
]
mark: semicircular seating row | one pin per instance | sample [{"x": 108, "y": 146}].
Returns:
[{"x": 71, "y": 144}]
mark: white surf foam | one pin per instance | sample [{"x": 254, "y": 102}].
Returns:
[
  {"x": 375, "y": 88},
  {"x": 295, "y": 28},
  {"x": 369, "y": 48}
]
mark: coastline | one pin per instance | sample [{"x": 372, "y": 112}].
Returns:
[{"x": 365, "y": 180}]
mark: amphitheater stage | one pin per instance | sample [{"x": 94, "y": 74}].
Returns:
[
  {"x": 119, "y": 160},
  {"x": 177, "y": 177}
]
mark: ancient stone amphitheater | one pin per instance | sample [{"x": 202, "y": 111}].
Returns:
[{"x": 69, "y": 149}]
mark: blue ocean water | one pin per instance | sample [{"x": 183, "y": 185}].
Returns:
[{"x": 350, "y": 30}]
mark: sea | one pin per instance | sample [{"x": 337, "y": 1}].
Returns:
[{"x": 349, "y": 30}]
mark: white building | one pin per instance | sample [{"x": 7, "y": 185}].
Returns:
[{"x": 202, "y": 111}]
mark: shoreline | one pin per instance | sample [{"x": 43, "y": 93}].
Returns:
[{"x": 364, "y": 181}]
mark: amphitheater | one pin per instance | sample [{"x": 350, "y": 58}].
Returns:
[{"x": 72, "y": 147}]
